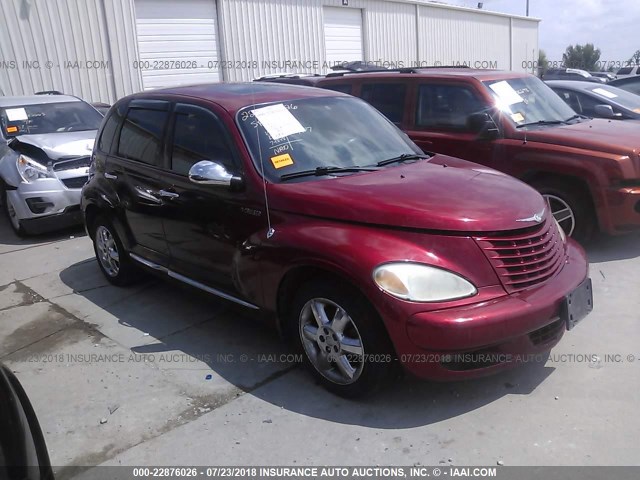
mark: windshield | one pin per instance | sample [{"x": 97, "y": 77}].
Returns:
[
  {"x": 48, "y": 118},
  {"x": 307, "y": 134},
  {"x": 527, "y": 100},
  {"x": 626, "y": 99}
]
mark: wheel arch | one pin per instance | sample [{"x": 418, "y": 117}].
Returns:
[
  {"x": 537, "y": 177},
  {"x": 300, "y": 274}
]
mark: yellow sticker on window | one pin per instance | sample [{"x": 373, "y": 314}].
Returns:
[
  {"x": 517, "y": 117},
  {"x": 281, "y": 161},
  {"x": 12, "y": 129}
]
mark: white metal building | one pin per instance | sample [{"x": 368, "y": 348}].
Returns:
[{"x": 102, "y": 50}]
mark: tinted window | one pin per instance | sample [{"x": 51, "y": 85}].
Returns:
[
  {"x": 386, "y": 97},
  {"x": 198, "y": 135},
  {"x": 446, "y": 106},
  {"x": 570, "y": 99},
  {"x": 140, "y": 138},
  {"x": 625, "y": 71},
  {"x": 109, "y": 131},
  {"x": 343, "y": 87}
]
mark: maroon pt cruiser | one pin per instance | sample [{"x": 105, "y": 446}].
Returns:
[{"x": 311, "y": 206}]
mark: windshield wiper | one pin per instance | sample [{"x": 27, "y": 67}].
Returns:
[
  {"x": 402, "y": 158},
  {"x": 542, "y": 122},
  {"x": 320, "y": 171},
  {"x": 575, "y": 117}
]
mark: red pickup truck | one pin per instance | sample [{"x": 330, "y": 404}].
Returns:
[{"x": 587, "y": 169}]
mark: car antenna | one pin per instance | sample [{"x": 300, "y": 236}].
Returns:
[{"x": 270, "y": 230}]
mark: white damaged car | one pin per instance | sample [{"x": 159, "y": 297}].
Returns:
[{"x": 45, "y": 152}]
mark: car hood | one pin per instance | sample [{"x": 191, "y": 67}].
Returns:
[
  {"x": 610, "y": 136},
  {"x": 442, "y": 193},
  {"x": 61, "y": 145}
]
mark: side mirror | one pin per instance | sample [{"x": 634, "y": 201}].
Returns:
[
  {"x": 22, "y": 445},
  {"x": 482, "y": 124},
  {"x": 604, "y": 111},
  {"x": 206, "y": 172}
]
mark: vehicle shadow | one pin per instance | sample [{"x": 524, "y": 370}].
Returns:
[
  {"x": 186, "y": 322},
  {"x": 8, "y": 236},
  {"x": 608, "y": 248}
]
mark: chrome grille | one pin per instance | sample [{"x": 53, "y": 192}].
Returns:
[
  {"x": 525, "y": 258},
  {"x": 71, "y": 163}
]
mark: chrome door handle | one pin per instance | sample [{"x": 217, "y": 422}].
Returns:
[
  {"x": 166, "y": 194},
  {"x": 110, "y": 176}
]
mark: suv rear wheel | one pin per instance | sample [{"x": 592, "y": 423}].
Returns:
[
  {"x": 112, "y": 258},
  {"x": 343, "y": 341},
  {"x": 571, "y": 208}
]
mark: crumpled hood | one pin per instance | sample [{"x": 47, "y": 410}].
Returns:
[
  {"x": 442, "y": 193},
  {"x": 61, "y": 145},
  {"x": 611, "y": 136}
]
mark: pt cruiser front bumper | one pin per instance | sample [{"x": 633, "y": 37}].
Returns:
[{"x": 481, "y": 338}]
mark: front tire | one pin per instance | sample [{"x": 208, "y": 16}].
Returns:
[
  {"x": 344, "y": 343},
  {"x": 571, "y": 207},
  {"x": 10, "y": 212},
  {"x": 113, "y": 259}
]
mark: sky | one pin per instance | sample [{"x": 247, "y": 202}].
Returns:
[{"x": 611, "y": 25}]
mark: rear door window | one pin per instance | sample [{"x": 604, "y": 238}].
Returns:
[
  {"x": 446, "y": 106},
  {"x": 388, "y": 98},
  {"x": 141, "y": 135}
]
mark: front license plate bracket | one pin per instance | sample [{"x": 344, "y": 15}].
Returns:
[{"x": 578, "y": 304}]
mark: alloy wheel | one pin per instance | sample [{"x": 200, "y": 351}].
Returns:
[
  {"x": 107, "y": 251},
  {"x": 331, "y": 341},
  {"x": 562, "y": 212}
]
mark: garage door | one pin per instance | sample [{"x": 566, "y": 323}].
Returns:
[
  {"x": 343, "y": 34},
  {"x": 171, "y": 32}
]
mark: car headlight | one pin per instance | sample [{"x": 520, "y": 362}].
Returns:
[
  {"x": 30, "y": 170},
  {"x": 563, "y": 235},
  {"x": 421, "y": 283}
]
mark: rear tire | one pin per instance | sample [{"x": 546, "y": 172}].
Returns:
[
  {"x": 113, "y": 259},
  {"x": 343, "y": 340},
  {"x": 10, "y": 212},
  {"x": 570, "y": 206}
]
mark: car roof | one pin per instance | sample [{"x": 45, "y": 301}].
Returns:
[
  {"x": 235, "y": 96},
  {"x": 625, "y": 80},
  {"x": 35, "y": 100},
  {"x": 574, "y": 85}
]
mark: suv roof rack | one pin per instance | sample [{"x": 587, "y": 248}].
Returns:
[
  {"x": 272, "y": 76},
  {"x": 394, "y": 70}
]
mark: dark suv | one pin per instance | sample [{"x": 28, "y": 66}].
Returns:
[
  {"x": 588, "y": 169},
  {"x": 310, "y": 206}
]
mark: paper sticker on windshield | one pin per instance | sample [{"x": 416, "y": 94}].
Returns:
[
  {"x": 278, "y": 121},
  {"x": 507, "y": 94},
  {"x": 281, "y": 161},
  {"x": 16, "y": 114},
  {"x": 604, "y": 93},
  {"x": 517, "y": 117}
]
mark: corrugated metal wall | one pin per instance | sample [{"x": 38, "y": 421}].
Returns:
[
  {"x": 525, "y": 45},
  {"x": 269, "y": 33},
  {"x": 81, "y": 47},
  {"x": 451, "y": 37},
  {"x": 257, "y": 37}
]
